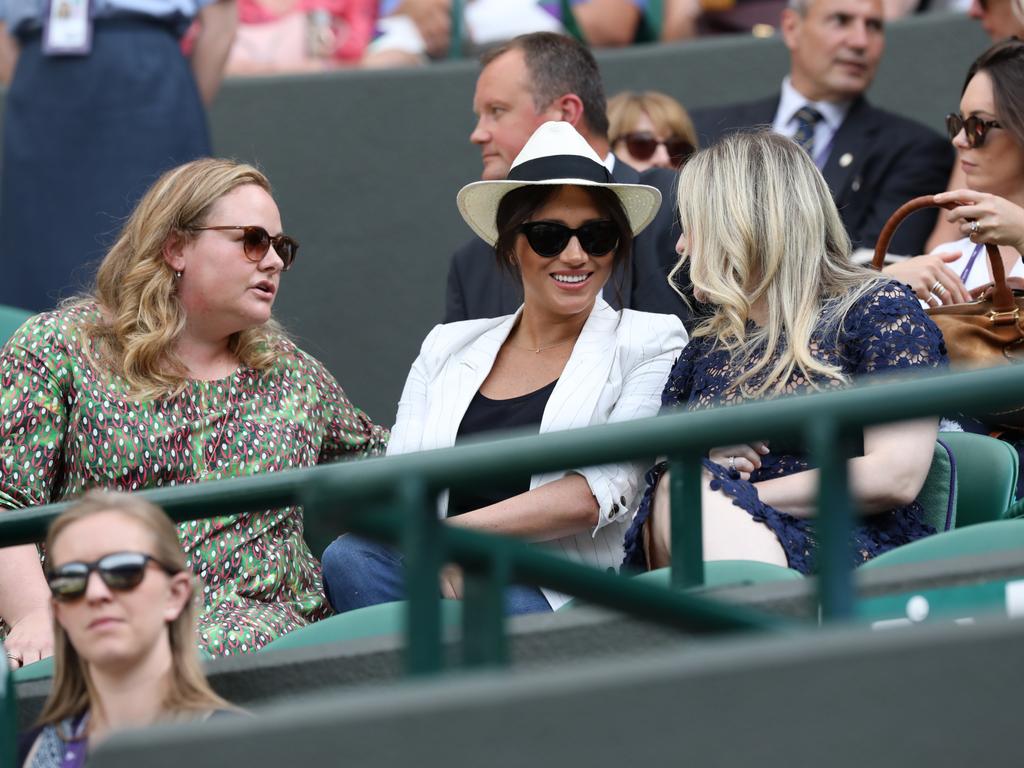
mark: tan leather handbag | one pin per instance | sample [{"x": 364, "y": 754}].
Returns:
[{"x": 980, "y": 333}]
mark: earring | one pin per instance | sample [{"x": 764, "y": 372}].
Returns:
[{"x": 177, "y": 275}]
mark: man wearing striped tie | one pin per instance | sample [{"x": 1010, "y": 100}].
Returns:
[{"x": 873, "y": 160}]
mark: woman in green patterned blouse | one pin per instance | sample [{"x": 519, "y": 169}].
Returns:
[{"x": 175, "y": 372}]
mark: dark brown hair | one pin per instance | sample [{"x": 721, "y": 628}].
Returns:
[
  {"x": 518, "y": 206},
  {"x": 1004, "y": 63},
  {"x": 557, "y": 65}
]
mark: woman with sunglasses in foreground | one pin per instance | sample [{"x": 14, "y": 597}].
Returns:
[
  {"x": 789, "y": 314},
  {"x": 565, "y": 360},
  {"x": 989, "y": 134},
  {"x": 124, "y": 629},
  {"x": 650, "y": 130},
  {"x": 175, "y": 372}
]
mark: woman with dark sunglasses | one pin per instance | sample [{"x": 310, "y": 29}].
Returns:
[
  {"x": 565, "y": 360},
  {"x": 650, "y": 130},
  {"x": 173, "y": 372},
  {"x": 988, "y": 132},
  {"x": 124, "y": 629}
]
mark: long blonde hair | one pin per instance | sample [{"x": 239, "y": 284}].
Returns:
[
  {"x": 187, "y": 690},
  {"x": 135, "y": 286},
  {"x": 761, "y": 223}
]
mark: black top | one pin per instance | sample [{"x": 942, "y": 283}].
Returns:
[{"x": 486, "y": 415}]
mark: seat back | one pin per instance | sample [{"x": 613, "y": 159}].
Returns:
[
  {"x": 939, "y": 494},
  {"x": 979, "y": 539},
  {"x": 11, "y": 319},
  {"x": 986, "y": 476}
]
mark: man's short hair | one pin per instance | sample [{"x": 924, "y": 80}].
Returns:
[{"x": 557, "y": 65}]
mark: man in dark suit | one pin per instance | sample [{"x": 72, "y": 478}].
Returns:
[
  {"x": 873, "y": 160},
  {"x": 523, "y": 84}
]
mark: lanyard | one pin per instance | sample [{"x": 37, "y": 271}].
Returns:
[{"x": 970, "y": 263}]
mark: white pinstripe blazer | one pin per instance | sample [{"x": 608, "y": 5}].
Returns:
[{"x": 616, "y": 372}]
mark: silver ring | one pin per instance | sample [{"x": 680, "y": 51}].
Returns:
[
  {"x": 975, "y": 227},
  {"x": 938, "y": 289},
  {"x": 732, "y": 463}
]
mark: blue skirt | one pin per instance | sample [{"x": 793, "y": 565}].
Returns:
[{"x": 84, "y": 137}]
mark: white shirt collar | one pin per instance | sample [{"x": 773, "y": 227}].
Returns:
[
  {"x": 833, "y": 112},
  {"x": 609, "y": 162}
]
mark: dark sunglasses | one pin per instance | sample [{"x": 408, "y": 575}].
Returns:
[
  {"x": 548, "y": 239},
  {"x": 256, "y": 241},
  {"x": 642, "y": 145},
  {"x": 120, "y": 571},
  {"x": 975, "y": 128}
]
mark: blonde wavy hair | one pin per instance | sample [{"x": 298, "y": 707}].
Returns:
[
  {"x": 761, "y": 223},
  {"x": 141, "y": 317},
  {"x": 72, "y": 692}
]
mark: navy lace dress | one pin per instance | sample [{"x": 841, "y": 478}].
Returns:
[{"x": 885, "y": 330}]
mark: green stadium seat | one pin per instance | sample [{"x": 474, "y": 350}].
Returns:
[
  {"x": 986, "y": 477},
  {"x": 36, "y": 671},
  {"x": 978, "y": 539},
  {"x": 11, "y": 319},
  {"x": 373, "y": 621},
  {"x": 939, "y": 496},
  {"x": 720, "y": 573},
  {"x": 8, "y": 714}
]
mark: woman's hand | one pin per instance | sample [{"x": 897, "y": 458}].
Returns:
[
  {"x": 30, "y": 639},
  {"x": 931, "y": 280},
  {"x": 744, "y": 458},
  {"x": 451, "y": 582},
  {"x": 986, "y": 218}
]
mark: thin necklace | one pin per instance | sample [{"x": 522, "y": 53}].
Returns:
[{"x": 538, "y": 350}]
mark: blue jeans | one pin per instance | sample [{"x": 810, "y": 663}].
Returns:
[{"x": 359, "y": 572}]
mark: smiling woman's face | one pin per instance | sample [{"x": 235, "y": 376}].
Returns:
[
  {"x": 566, "y": 284},
  {"x": 109, "y": 628}
]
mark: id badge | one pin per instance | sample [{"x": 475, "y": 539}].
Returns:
[{"x": 67, "y": 28}]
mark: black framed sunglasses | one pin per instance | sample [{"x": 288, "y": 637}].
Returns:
[
  {"x": 975, "y": 128},
  {"x": 548, "y": 238},
  {"x": 120, "y": 571},
  {"x": 643, "y": 144},
  {"x": 256, "y": 241}
]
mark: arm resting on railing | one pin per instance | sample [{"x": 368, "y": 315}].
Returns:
[{"x": 25, "y": 605}]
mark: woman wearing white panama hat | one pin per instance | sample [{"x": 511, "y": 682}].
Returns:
[{"x": 565, "y": 360}]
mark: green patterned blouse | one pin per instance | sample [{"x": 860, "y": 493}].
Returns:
[{"x": 67, "y": 426}]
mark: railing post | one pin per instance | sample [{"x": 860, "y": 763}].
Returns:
[
  {"x": 830, "y": 448},
  {"x": 687, "y": 521},
  {"x": 456, "y": 38},
  {"x": 422, "y": 545},
  {"x": 8, "y": 714},
  {"x": 483, "y": 611}
]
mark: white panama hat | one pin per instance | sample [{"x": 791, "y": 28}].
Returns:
[{"x": 555, "y": 154}]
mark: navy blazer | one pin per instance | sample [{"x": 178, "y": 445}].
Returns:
[
  {"x": 478, "y": 287},
  {"x": 890, "y": 160}
]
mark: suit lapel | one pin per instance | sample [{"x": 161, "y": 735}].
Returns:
[
  {"x": 575, "y": 396},
  {"x": 846, "y": 159},
  {"x": 461, "y": 380}
]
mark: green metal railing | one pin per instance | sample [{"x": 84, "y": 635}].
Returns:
[{"x": 394, "y": 499}]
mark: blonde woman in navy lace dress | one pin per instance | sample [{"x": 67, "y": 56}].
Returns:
[{"x": 789, "y": 314}]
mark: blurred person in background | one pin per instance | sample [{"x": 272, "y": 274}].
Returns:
[
  {"x": 101, "y": 101},
  {"x": 281, "y": 37},
  {"x": 650, "y": 130},
  {"x": 412, "y": 32}
]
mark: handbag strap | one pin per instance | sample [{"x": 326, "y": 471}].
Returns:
[{"x": 1002, "y": 296}]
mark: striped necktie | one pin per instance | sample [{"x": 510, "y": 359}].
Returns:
[{"x": 806, "y": 119}]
